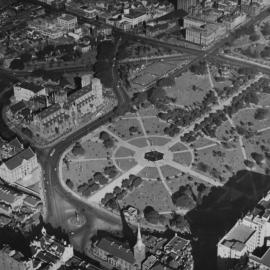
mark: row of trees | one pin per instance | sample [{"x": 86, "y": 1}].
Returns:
[{"x": 119, "y": 193}]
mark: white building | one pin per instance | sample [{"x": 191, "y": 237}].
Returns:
[
  {"x": 135, "y": 17},
  {"x": 25, "y": 91},
  {"x": 247, "y": 234},
  {"x": 19, "y": 166},
  {"x": 67, "y": 21}
]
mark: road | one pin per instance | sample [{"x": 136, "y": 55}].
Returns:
[{"x": 49, "y": 158}]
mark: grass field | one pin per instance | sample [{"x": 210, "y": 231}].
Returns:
[
  {"x": 225, "y": 131},
  {"x": 178, "y": 147},
  {"x": 154, "y": 126},
  {"x": 224, "y": 162},
  {"x": 159, "y": 141},
  {"x": 125, "y": 164},
  {"x": 149, "y": 173},
  {"x": 169, "y": 171},
  {"x": 121, "y": 128},
  {"x": 201, "y": 142},
  {"x": 150, "y": 193},
  {"x": 246, "y": 119},
  {"x": 95, "y": 149},
  {"x": 182, "y": 158},
  {"x": 80, "y": 172},
  {"x": 183, "y": 91},
  {"x": 139, "y": 142},
  {"x": 124, "y": 152}
]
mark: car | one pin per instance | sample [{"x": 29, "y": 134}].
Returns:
[{"x": 52, "y": 152}]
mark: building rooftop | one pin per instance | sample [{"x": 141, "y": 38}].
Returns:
[
  {"x": 31, "y": 201},
  {"x": 4, "y": 220},
  {"x": 8, "y": 196},
  {"x": 176, "y": 244},
  {"x": 67, "y": 17},
  {"x": 264, "y": 259},
  {"x": 79, "y": 93},
  {"x": 117, "y": 249},
  {"x": 31, "y": 86},
  {"x": 238, "y": 236},
  {"x": 17, "y": 160},
  {"x": 17, "y": 107}
]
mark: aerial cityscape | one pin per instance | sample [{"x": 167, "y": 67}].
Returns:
[{"x": 135, "y": 134}]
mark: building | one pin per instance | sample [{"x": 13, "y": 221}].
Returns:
[
  {"x": 67, "y": 111},
  {"x": 139, "y": 250},
  {"x": 67, "y": 21},
  {"x": 50, "y": 252},
  {"x": 26, "y": 91},
  {"x": 186, "y": 4},
  {"x": 14, "y": 260},
  {"x": 9, "y": 149},
  {"x": 150, "y": 252},
  {"x": 248, "y": 234},
  {"x": 135, "y": 17},
  {"x": 19, "y": 166}
]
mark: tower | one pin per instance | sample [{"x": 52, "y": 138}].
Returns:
[{"x": 139, "y": 249}]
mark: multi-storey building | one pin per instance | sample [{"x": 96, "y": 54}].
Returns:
[
  {"x": 186, "y": 4},
  {"x": 19, "y": 166},
  {"x": 50, "y": 252},
  {"x": 14, "y": 260},
  {"x": 67, "y": 111},
  {"x": 148, "y": 253},
  {"x": 248, "y": 234},
  {"x": 26, "y": 91},
  {"x": 67, "y": 21}
]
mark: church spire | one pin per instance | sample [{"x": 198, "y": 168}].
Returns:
[
  {"x": 139, "y": 237},
  {"x": 139, "y": 249}
]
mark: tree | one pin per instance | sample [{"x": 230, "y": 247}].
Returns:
[
  {"x": 257, "y": 157},
  {"x": 260, "y": 114},
  {"x": 77, "y": 149},
  {"x": 266, "y": 29},
  {"x": 199, "y": 68},
  {"x": 69, "y": 183},
  {"x": 249, "y": 163},
  {"x": 151, "y": 215},
  {"x": 100, "y": 178},
  {"x": 137, "y": 181},
  {"x": 26, "y": 57},
  {"x": 254, "y": 37},
  {"x": 111, "y": 171},
  {"x": 16, "y": 64}
]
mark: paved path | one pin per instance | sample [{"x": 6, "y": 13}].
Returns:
[
  {"x": 164, "y": 181},
  {"x": 195, "y": 174},
  {"x": 229, "y": 118},
  {"x": 122, "y": 142}
]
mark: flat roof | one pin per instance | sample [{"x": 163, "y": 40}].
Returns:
[
  {"x": 264, "y": 260},
  {"x": 238, "y": 236}
]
